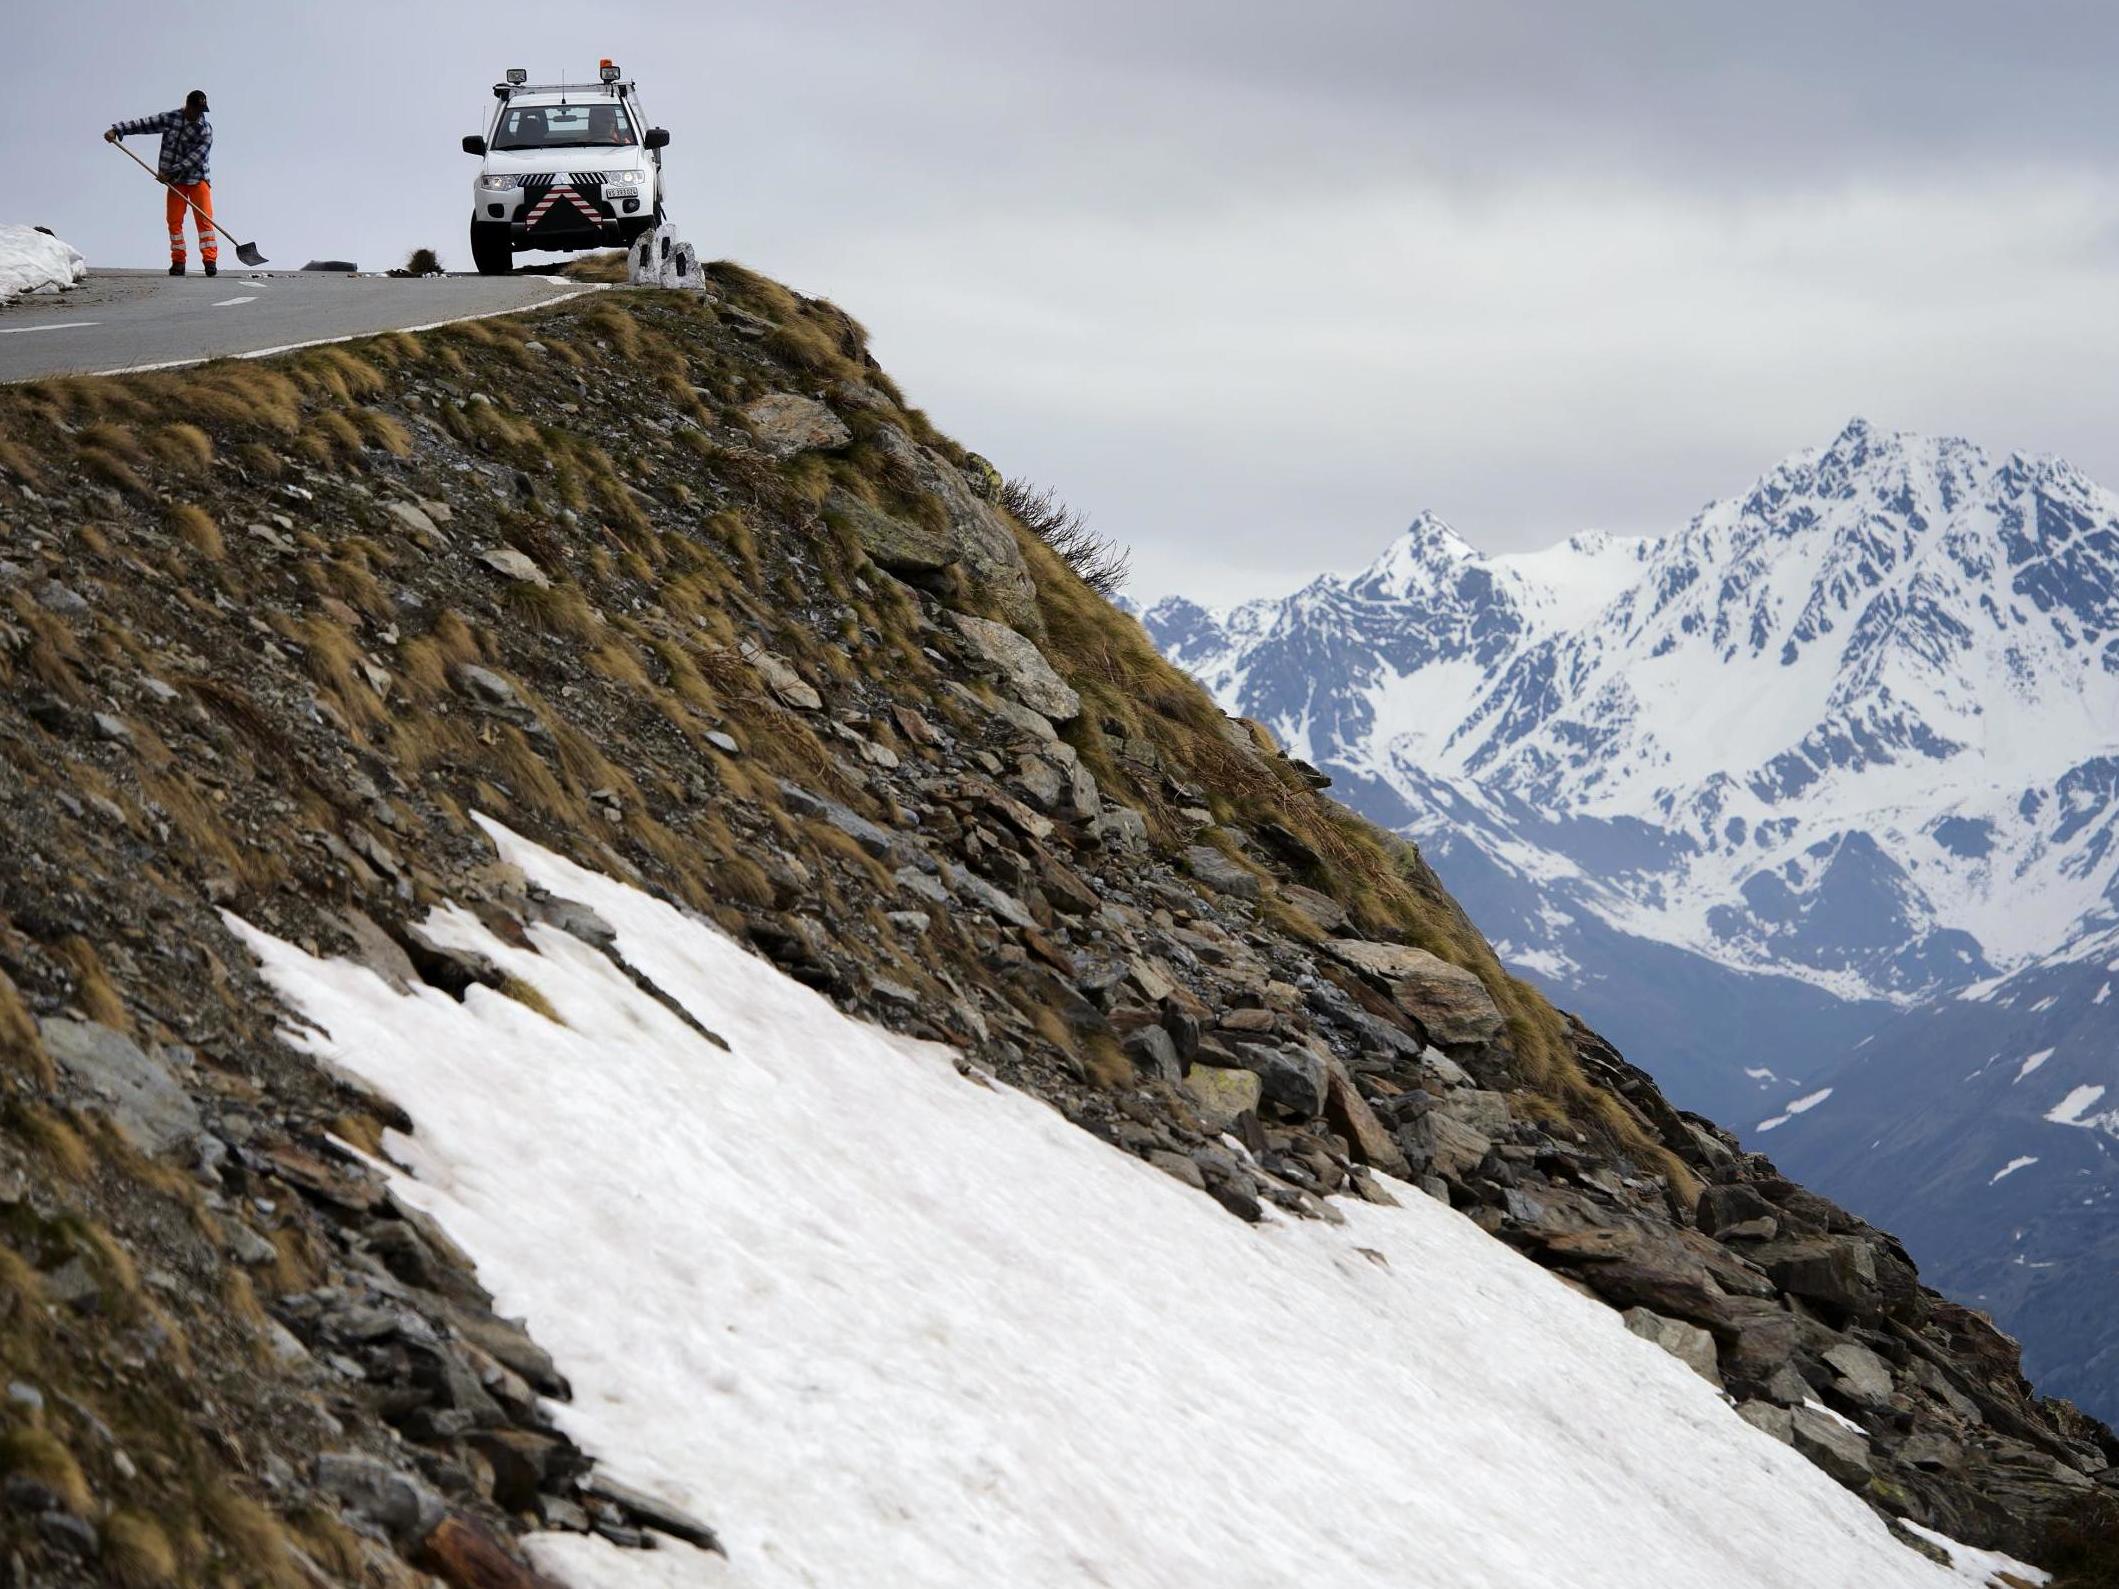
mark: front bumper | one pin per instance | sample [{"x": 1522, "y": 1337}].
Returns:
[{"x": 577, "y": 210}]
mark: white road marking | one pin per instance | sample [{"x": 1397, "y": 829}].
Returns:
[
  {"x": 230, "y": 303},
  {"x": 71, "y": 325}
]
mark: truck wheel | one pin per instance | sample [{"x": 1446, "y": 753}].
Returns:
[{"x": 491, "y": 250}]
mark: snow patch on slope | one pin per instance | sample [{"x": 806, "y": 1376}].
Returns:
[{"x": 885, "y": 1325}]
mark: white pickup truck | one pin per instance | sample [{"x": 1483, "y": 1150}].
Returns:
[{"x": 566, "y": 166}]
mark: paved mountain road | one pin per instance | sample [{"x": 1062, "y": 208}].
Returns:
[{"x": 130, "y": 320}]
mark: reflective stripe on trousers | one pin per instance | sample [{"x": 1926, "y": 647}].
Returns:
[{"x": 175, "y": 209}]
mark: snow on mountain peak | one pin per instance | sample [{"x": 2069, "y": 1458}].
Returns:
[{"x": 1889, "y": 638}]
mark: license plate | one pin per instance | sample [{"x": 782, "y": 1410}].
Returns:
[{"x": 621, "y": 190}]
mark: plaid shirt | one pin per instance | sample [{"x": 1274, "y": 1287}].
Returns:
[{"x": 185, "y": 144}]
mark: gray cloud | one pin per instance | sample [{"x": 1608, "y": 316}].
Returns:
[{"x": 1251, "y": 282}]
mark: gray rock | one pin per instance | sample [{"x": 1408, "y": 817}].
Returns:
[
  {"x": 1220, "y": 1095},
  {"x": 1153, "y": 1054},
  {"x": 1179, "y": 1167},
  {"x": 1221, "y": 874},
  {"x": 145, "y": 1099},
  {"x": 724, "y": 743},
  {"x": 1445, "y": 1146},
  {"x": 999, "y": 901},
  {"x": 1733, "y": 1212},
  {"x": 1763, "y": 1415},
  {"x": 55, "y": 597},
  {"x": 1121, "y": 828},
  {"x": 1863, "y": 1376},
  {"x": 649, "y": 1511},
  {"x": 785, "y": 424},
  {"x": 511, "y": 564},
  {"x": 415, "y": 521},
  {"x": 1022, "y": 667},
  {"x": 1292, "y": 1078},
  {"x": 1449, "y": 1001},
  {"x": 1688, "y": 1343},
  {"x": 1486, "y": 1112},
  {"x": 1840, "y": 1451},
  {"x": 484, "y": 685},
  {"x": 985, "y": 545},
  {"x": 393, "y": 1500},
  {"x": 899, "y": 545},
  {"x": 785, "y": 683}
]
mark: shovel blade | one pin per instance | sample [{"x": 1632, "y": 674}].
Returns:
[{"x": 248, "y": 253}]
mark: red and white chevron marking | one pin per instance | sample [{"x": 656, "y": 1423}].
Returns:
[{"x": 553, "y": 195}]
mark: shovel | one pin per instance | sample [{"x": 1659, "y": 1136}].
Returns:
[{"x": 246, "y": 252}]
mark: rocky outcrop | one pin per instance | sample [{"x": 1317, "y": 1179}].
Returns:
[{"x": 1101, "y": 892}]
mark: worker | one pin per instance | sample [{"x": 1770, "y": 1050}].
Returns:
[
  {"x": 187, "y": 144},
  {"x": 605, "y": 127}
]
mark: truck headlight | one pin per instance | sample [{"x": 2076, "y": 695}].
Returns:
[
  {"x": 625, "y": 176},
  {"x": 495, "y": 183}
]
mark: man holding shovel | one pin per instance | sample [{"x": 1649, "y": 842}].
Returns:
[{"x": 187, "y": 144}]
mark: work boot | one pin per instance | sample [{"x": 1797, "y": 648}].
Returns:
[
  {"x": 213, "y": 267},
  {"x": 177, "y": 268}
]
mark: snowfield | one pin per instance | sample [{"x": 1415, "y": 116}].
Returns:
[
  {"x": 885, "y": 1325},
  {"x": 34, "y": 261}
]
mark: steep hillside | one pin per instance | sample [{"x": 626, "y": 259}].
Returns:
[{"x": 679, "y": 588}]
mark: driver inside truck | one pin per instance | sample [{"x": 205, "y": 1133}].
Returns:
[{"x": 605, "y": 127}]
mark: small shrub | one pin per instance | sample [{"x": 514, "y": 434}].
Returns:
[
  {"x": 1097, "y": 560},
  {"x": 424, "y": 262}
]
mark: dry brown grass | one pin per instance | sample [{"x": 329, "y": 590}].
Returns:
[
  {"x": 137, "y": 1554},
  {"x": 198, "y": 531},
  {"x": 40, "y": 1455},
  {"x": 21, "y": 1050}
]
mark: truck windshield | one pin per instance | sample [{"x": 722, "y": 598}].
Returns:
[{"x": 595, "y": 125}]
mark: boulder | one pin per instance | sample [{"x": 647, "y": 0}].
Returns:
[
  {"x": 1022, "y": 667},
  {"x": 1221, "y": 874},
  {"x": 785, "y": 424},
  {"x": 1153, "y": 1054},
  {"x": 1862, "y": 1376},
  {"x": 1834, "y": 1444},
  {"x": 1732, "y": 1213},
  {"x": 986, "y": 550},
  {"x": 1220, "y": 1095},
  {"x": 511, "y": 564},
  {"x": 1292, "y": 1078},
  {"x": 1817, "y": 1269},
  {"x": 1350, "y": 1115},
  {"x": 144, "y": 1098},
  {"x": 899, "y": 545},
  {"x": 388, "y": 1497},
  {"x": 1688, "y": 1343},
  {"x": 1769, "y": 1419},
  {"x": 1435, "y": 1142},
  {"x": 1449, "y": 1001}
]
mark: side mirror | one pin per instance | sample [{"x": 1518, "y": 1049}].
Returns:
[
  {"x": 657, "y": 138},
  {"x": 474, "y": 144}
]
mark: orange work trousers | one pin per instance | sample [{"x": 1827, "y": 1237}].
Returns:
[{"x": 201, "y": 194}]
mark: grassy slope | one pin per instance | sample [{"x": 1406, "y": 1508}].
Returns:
[{"x": 666, "y": 549}]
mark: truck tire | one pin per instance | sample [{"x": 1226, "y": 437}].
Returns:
[{"x": 491, "y": 250}]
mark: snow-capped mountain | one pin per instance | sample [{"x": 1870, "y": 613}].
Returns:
[
  {"x": 1810, "y": 805},
  {"x": 1859, "y": 725}
]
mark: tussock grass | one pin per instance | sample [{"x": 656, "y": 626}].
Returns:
[
  {"x": 21, "y": 1050},
  {"x": 40, "y": 1455},
  {"x": 195, "y": 527},
  {"x": 137, "y": 1554}
]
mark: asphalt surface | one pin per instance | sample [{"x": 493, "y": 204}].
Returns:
[{"x": 129, "y": 320}]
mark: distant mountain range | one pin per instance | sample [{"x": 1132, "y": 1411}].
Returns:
[{"x": 1810, "y": 805}]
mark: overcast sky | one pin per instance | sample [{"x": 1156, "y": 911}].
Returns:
[{"x": 1253, "y": 282}]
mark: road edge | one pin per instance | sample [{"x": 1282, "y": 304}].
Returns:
[{"x": 577, "y": 290}]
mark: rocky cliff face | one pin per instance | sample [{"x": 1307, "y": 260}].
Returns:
[{"x": 681, "y": 587}]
